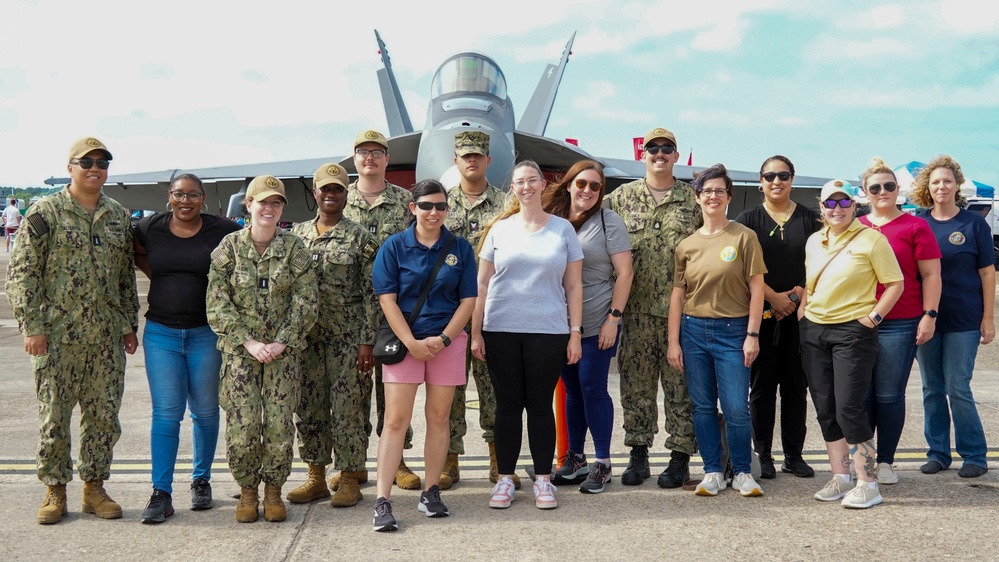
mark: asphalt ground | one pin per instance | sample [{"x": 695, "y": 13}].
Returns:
[{"x": 922, "y": 518}]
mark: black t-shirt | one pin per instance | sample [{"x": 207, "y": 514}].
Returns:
[
  {"x": 180, "y": 268},
  {"x": 784, "y": 255}
]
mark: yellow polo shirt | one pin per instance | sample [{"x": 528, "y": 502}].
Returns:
[{"x": 846, "y": 289}]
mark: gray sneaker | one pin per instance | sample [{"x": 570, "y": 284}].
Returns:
[
  {"x": 384, "y": 520},
  {"x": 834, "y": 490},
  {"x": 574, "y": 468},
  {"x": 600, "y": 474},
  {"x": 862, "y": 497}
]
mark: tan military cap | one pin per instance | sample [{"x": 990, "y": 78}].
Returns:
[
  {"x": 82, "y": 146},
  {"x": 330, "y": 173},
  {"x": 263, "y": 187},
  {"x": 471, "y": 142},
  {"x": 660, "y": 133},
  {"x": 370, "y": 136}
]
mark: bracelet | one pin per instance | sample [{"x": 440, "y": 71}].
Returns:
[
  {"x": 752, "y": 334},
  {"x": 618, "y": 323}
]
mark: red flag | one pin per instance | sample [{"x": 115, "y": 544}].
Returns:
[
  {"x": 690, "y": 159},
  {"x": 574, "y": 142},
  {"x": 639, "y": 144}
]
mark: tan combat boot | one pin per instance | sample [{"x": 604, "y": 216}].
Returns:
[
  {"x": 249, "y": 502},
  {"x": 274, "y": 509},
  {"x": 349, "y": 492},
  {"x": 494, "y": 469},
  {"x": 314, "y": 487},
  {"x": 451, "y": 473},
  {"x": 405, "y": 478},
  {"x": 97, "y": 501},
  {"x": 54, "y": 506},
  {"x": 362, "y": 478}
]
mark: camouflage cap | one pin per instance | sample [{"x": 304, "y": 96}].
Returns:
[
  {"x": 660, "y": 133},
  {"x": 263, "y": 187},
  {"x": 82, "y": 146},
  {"x": 836, "y": 186},
  {"x": 370, "y": 136},
  {"x": 471, "y": 142},
  {"x": 330, "y": 173}
]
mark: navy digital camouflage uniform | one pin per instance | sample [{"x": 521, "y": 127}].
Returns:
[
  {"x": 267, "y": 298},
  {"x": 468, "y": 220},
  {"x": 335, "y": 401},
  {"x": 72, "y": 278},
  {"x": 388, "y": 215},
  {"x": 655, "y": 230}
]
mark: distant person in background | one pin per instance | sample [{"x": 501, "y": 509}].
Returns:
[
  {"x": 966, "y": 320},
  {"x": 11, "y": 220},
  {"x": 174, "y": 248},
  {"x": 911, "y": 322}
]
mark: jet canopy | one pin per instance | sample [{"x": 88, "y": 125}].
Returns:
[{"x": 469, "y": 72}]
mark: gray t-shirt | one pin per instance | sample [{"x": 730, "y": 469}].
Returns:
[
  {"x": 598, "y": 245},
  {"x": 525, "y": 294}
]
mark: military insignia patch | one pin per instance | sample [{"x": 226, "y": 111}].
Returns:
[
  {"x": 451, "y": 260},
  {"x": 729, "y": 253},
  {"x": 956, "y": 238},
  {"x": 271, "y": 182},
  {"x": 38, "y": 225},
  {"x": 93, "y": 143},
  {"x": 333, "y": 171},
  {"x": 659, "y": 131},
  {"x": 371, "y": 135},
  {"x": 220, "y": 257}
]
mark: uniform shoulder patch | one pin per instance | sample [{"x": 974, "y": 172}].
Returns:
[
  {"x": 220, "y": 255},
  {"x": 301, "y": 261},
  {"x": 370, "y": 249},
  {"x": 37, "y": 224}
]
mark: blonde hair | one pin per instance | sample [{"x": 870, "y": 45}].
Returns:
[
  {"x": 921, "y": 185},
  {"x": 877, "y": 166},
  {"x": 512, "y": 203}
]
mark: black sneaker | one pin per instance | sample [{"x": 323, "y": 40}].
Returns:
[
  {"x": 430, "y": 503},
  {"x": 599, "y": 475},
  {"x": 160, "y": 507},
  {"x": 677, "y": 472},
  {"x": 384, "y": 521},
  {"x": 573, "y": 469},
  {"x": 767, "y": 469},
  {"x": 638, "y": 467},
  {"x": 972, "y": 471},
  {"x": 932, "y": 466},
  {"x": 201, "y": 495},
  {"x": 794, "y": 464}
]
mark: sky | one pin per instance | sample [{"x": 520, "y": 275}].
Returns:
[{"x": 189, "y": 84}]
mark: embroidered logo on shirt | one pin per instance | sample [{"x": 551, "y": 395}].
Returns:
[
  {"x": 956, "y": 238},
  {"x": 728, "y": 253},
  {"x": 451, "y": 260}
]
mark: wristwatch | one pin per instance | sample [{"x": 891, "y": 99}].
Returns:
[
  {"x": 876, "y": 318},
  {"x": 576, "y": 329},
  {"x": 445, "y": 339},
  {"x": 930, "y": 313},
  {"x": 615, "y": 313},
  {"x": 794, "y": 298}
]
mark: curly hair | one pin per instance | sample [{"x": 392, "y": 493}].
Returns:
[
  {"x": 557, "y": 200},
  {"x": 921, "y": 185},
  {"x": 877, "y": 166}
]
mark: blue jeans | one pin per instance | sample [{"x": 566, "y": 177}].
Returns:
[
  {"x": 885, "y": 398},
  {"x": 714, "y": 363},
  {"x": 588, "y": 405},
  {"x": 946, "y": 363},
  {"x": 182, "y": 366}
]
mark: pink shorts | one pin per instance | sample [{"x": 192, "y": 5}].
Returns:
[{"x": 447, "y": 368}]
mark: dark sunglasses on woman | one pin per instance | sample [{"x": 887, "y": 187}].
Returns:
[
  {"x": 770, "y": 176},
  {"x": 831, "y": 203},
  {"x": 889, "y": 187},
  {"x": 427, "y": 205}
]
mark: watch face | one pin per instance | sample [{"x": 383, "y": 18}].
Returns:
[{"x": 615, "y": 313}]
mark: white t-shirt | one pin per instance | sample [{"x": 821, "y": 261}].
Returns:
[{"x": 11, "y": 216}]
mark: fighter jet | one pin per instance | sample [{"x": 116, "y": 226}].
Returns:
[{"x": 468, "y": 92}]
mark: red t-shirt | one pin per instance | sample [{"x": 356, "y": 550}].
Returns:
[{"x": 911, "y": 239}]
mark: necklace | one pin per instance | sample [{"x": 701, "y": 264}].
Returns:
[{"x": 780, "y": 222}]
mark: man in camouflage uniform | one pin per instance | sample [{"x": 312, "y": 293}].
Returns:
[
  {"x": 261, "y": 303},
  {"x": 659, "y": 212},
  {"x": 337, "y": 358},
  {"x": 472, "y": 204},
  {"x": 71, "y": 285},
  {"x": 382, "y": 209}
]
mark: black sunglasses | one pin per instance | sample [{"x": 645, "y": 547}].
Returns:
[
  {"x": 889, "y": 186},
  {"x": 654, "y": 149},
  {"x": 831, "y": 203},
  {"x": 87, "y": 163},
  {"x": 594, "y": 186},
  {"x": 770, "y": 176},
  {"x": 427, "y": 205}
]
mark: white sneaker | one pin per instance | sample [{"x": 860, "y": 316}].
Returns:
[
  {"x": 712, "y": 483},
  {"x": 746, "y": 485},
  {"x": 834, "y": 490},
  {"x": 862, "y": 496},
  {"x": 544, "y": 494},
  {"x": 502, "y": 494},
  {"x": 887, "y": 474}
]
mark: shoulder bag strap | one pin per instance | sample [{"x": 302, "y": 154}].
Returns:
[
  {"x": 430, "y": 280},
  {"x": 843, "y": 247}
]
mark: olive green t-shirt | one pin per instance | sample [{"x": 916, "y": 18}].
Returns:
[{"x": 715, "y": 270}]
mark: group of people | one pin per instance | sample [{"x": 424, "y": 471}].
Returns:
[{"x": 279, "y": 327}]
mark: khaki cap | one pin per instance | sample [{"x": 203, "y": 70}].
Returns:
[
  {"x": 471, "y": 142},
  {"x": 263, "y": 187},
  {"x": 83, "y": 146},
  {"x": 660, "y": 133},
  {"x": 330, "y": 173},
  {"x": 370, "y": 136},
  {"x": 836, "y": 186}
]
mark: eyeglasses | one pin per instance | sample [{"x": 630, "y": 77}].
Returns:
[
  {"x": 364, "y": 153},
  {"x": 193, "y": 197},
  {"x": 87, "y": 163},
  {"x": 714, "y": 192},
  {"x": 332, "y": 187},
  {"x": 654, "y": 149},
  {"x": 889, "y": 187},
  {"x": 533, "y": 182},
  {"x": 770, "y": 176},
  {"x": 427, "y": 205},
  {"x": 832, "y": 203},
  {"x": 594, "y": 186}
]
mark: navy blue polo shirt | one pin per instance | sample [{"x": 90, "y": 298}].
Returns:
[{"x": 402, "y": 266}]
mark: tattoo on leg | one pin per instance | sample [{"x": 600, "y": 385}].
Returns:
[
  {"x": 853, "y": 449},
  {"x": 845, "y": 462},
  {"x": 867, "y": 452}
]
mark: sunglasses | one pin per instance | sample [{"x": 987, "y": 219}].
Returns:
[
  {"x": 87, "y": 163},
  {"x": 770, "y": 176},
  {"x": 889, "y": 186},
  {"x": 654, "y": 149},
  {"x": 593, "y": 186},
  {"x": 832, "y": 203},
  {"x": 427, "y": 206},
  {"x": 331, "y": 187}
]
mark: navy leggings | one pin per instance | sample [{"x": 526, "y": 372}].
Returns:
[{"x": 588, "y": 405}]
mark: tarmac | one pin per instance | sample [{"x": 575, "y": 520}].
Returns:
[{"x": 923, "y": 517}]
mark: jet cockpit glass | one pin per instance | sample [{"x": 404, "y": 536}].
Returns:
[{"x": 469, "y": 72}]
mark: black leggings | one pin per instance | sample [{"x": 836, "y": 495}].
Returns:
[{"x": 524, "y": 369}]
